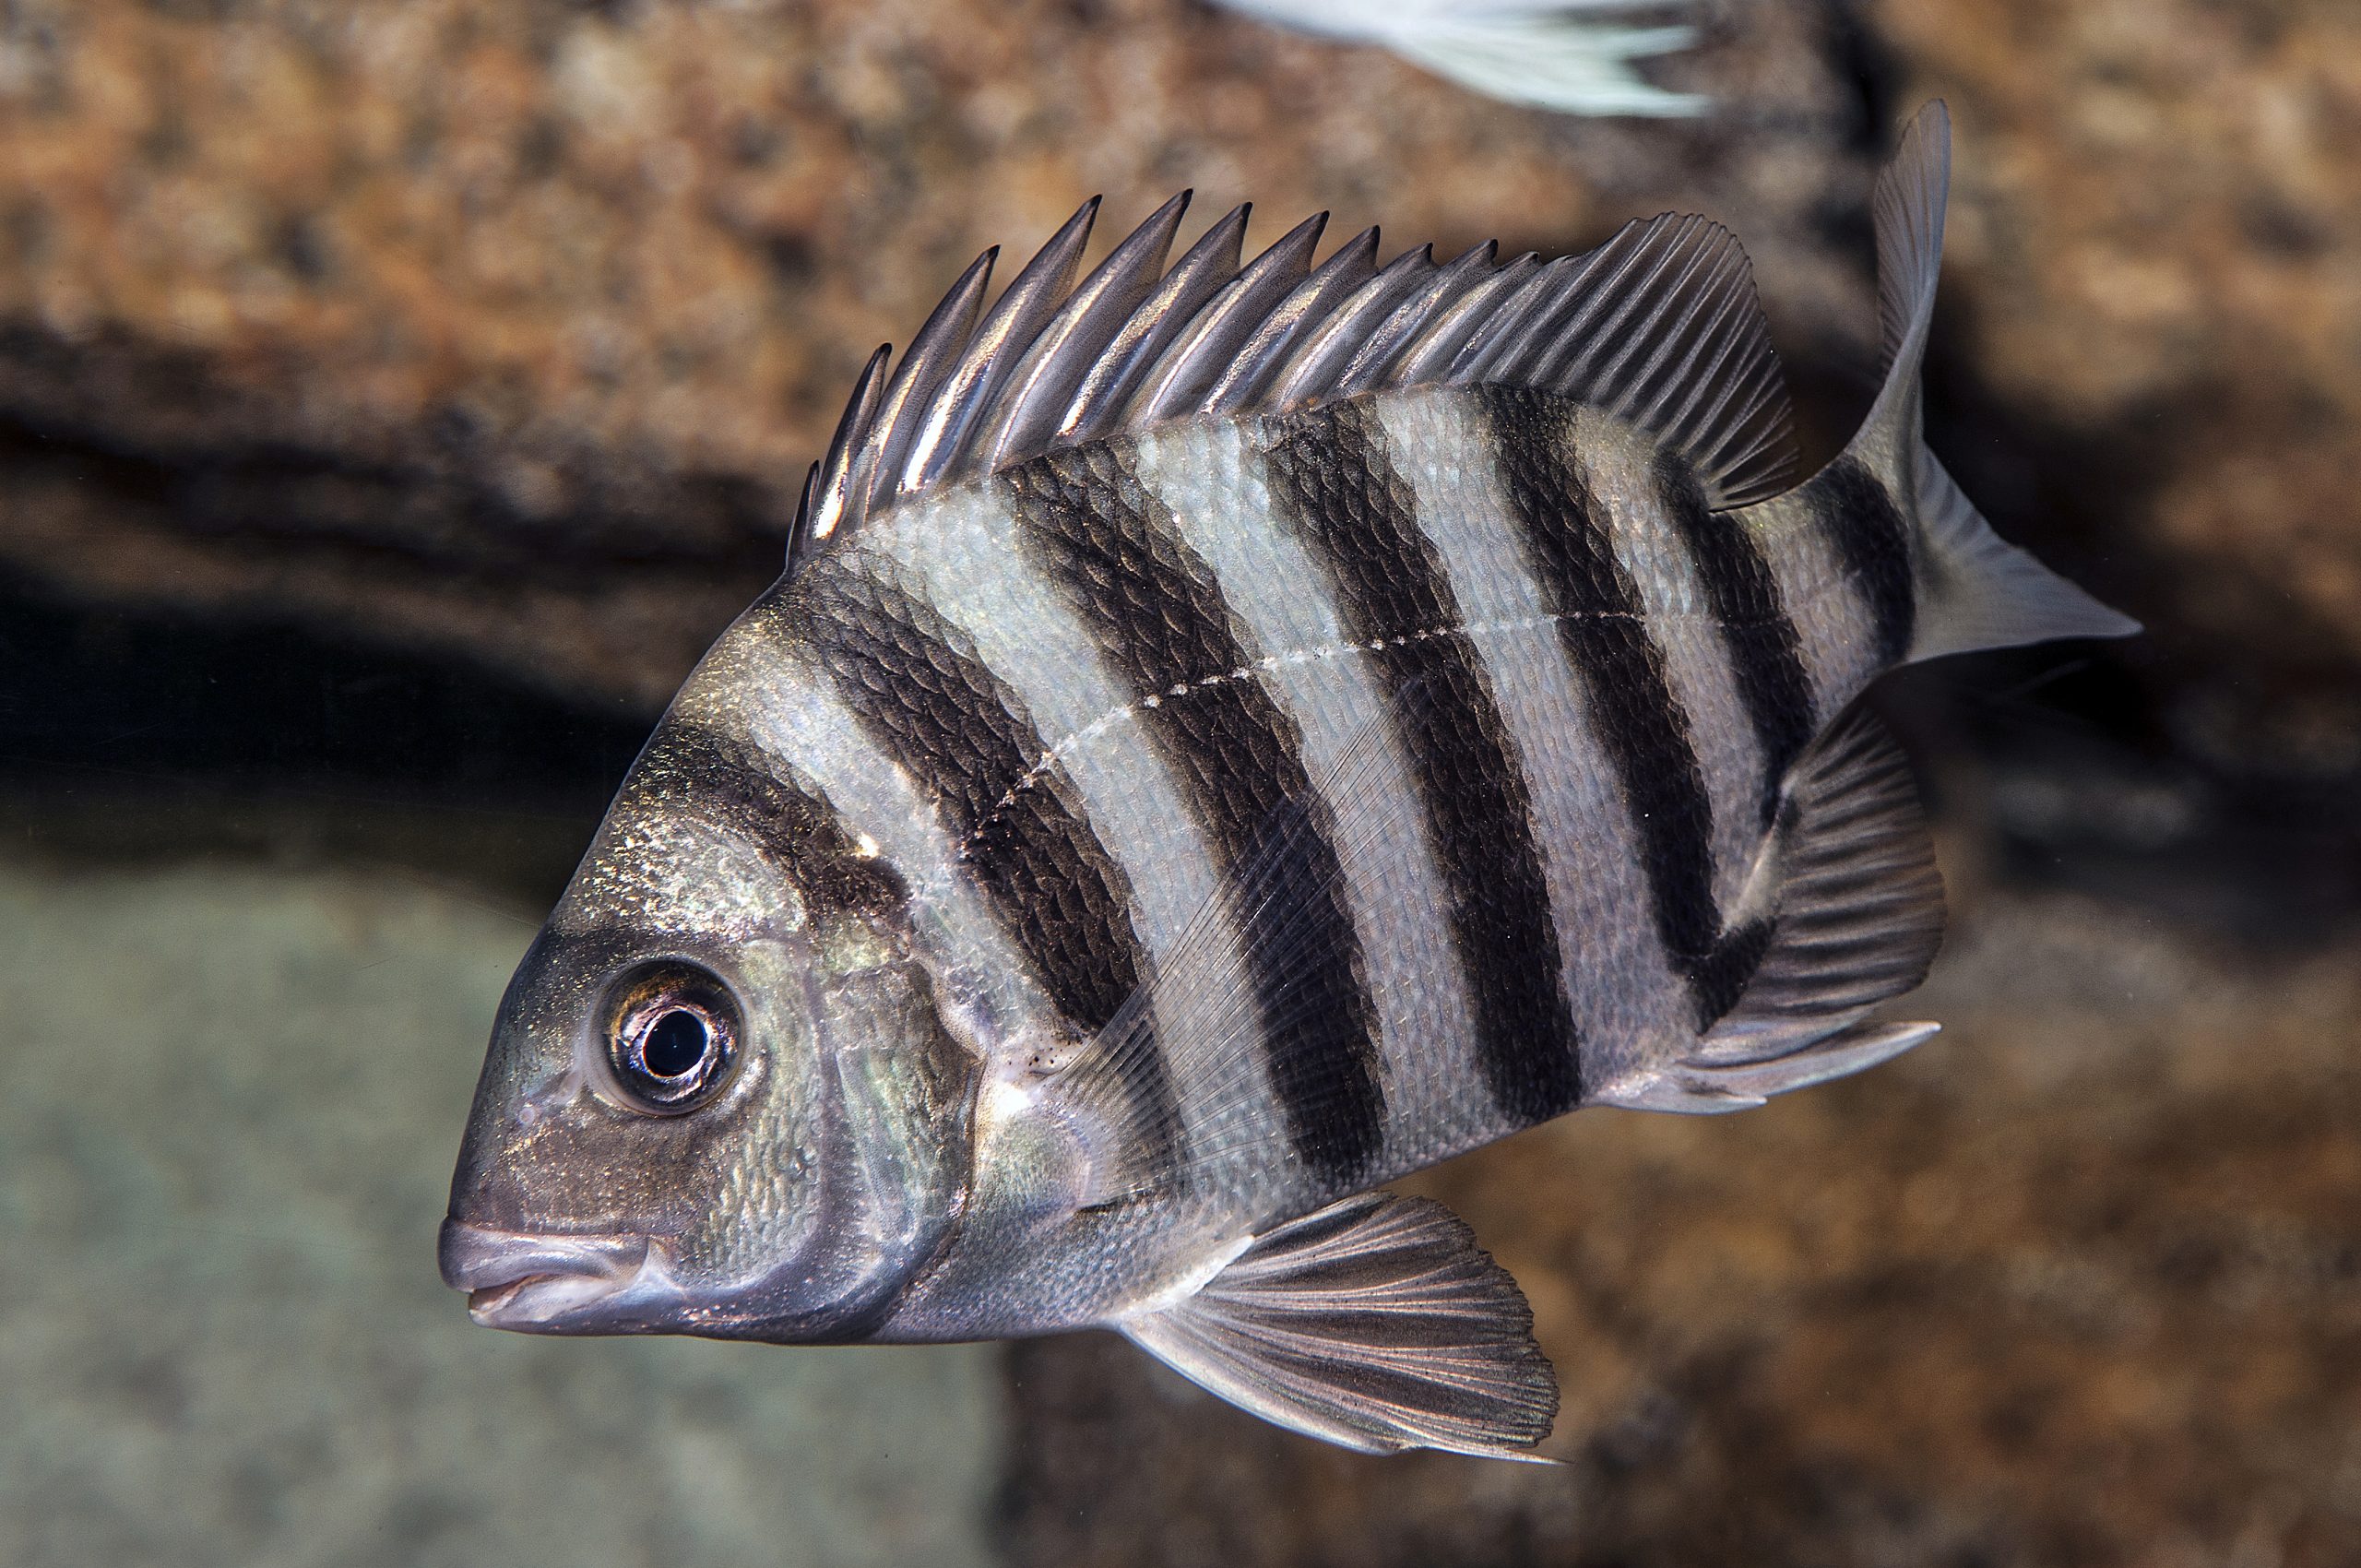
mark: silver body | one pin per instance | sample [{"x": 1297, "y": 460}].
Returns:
[
  {"x": 1229, "y": 737},
  {"x": 1021, "y": 1262}
]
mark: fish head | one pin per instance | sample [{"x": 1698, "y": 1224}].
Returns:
[{"x": 716, "y": 1102}]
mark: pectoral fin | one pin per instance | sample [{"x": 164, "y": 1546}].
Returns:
[{"x": 1376, "y": 1324}]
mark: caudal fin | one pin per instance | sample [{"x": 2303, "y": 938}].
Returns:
[
  {"x": 1978, "y": 590},
  {"x": 1975, "y": 589}
]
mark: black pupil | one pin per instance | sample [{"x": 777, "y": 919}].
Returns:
[{"x": 675, "y": 1044}]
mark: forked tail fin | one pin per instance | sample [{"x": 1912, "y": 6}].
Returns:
[{"x": 1974, "y": 589}]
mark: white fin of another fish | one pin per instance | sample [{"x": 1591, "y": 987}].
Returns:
[
  {"x": 1555, "y": 54},
  {"x": 1377, "y": 1324},
  {"x": 1856, "y": 903},
  {"x": 1976, "y": 590}
]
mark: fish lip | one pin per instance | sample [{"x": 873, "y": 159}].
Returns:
[{"x": 518, "y": 1279}]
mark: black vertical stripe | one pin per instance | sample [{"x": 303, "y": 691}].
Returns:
[
  {"x": 1334, "y": 481},
  {"x": 1717, "y": 979},
  {"x": 1853, "y": 507},
  {"x": 1602, "y": 627},
  {"x": 1766, "y": 657},
  {"x": 694, "y": 769},
  {"x": 923, "y": 696},
  {"x": 1156, "y": 611}
]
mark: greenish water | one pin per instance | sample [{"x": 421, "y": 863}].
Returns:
[{"x": 234, "y": 1097}]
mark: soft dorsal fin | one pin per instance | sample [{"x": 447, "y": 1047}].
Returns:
[{"x": 1659, "y": 325}]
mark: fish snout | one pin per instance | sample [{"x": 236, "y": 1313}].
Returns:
[{"x": 515, "y": 1280}]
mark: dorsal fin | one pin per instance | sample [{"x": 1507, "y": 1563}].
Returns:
[{"x": 1659, "y": 325}]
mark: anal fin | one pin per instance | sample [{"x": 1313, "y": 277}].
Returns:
[
  {"x": 1855, "y": 908},
  {"x": 1376, "y": 1324}
]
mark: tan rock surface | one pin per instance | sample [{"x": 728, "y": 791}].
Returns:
[
  {"x": 511, "y": 328},
  {"x": 2156, "y": 253},
  {"x": 2078, "y": 1283}
]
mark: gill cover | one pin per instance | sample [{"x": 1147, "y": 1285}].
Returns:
[{"x": 709, "y": 1107}]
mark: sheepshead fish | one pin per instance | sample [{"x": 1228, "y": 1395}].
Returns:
[{"x": 1228, "y": 736}]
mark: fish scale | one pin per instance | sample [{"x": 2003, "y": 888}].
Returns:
[
  {"x": 1602, "y": 625},
  {"x": 1857, "y": 516},
  {"x": 1219, "y": 491},
  {"x": 949, "y": 721},
  {"x": 1340, "y": 488},
  {"x": 1227, "y": 738},
  {"x": 1157, "y": 615},
  {"x": 1764, "y": 649}
]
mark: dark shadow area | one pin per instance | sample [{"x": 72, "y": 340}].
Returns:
[
  {"x": 131, "y": 736},
  {"x": 134, "y": 473},
  {"x": 152, "y": 428},
  {"x": 2061, "y": 760},
  {"x": 2201, "y": 781}
]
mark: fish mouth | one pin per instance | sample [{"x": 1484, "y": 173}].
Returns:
[{"x": 546, "y": 1284}]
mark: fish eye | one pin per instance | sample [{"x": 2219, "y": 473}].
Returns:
[{"x": 671, "y": 1035}]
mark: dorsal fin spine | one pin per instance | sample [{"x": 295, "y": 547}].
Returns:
[
  {"x": 798, "y": 532},
  {"x": 1327, "y": 347},
  {"x": 1659, "y": 326},
  {"x": 1052, "y": 370},
  {"x": 1108, "y": 385},
  {"x": 1015, "y": 320},
  {"x": 922, "y": 369},
  {"x": 1242, "y": 381},
  {"x": 1410, "y": 319},
  {"x": 1175, "y": 383},
  {"x": 841, "y": 477}
]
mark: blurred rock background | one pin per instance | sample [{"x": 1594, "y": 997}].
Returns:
[
  {"x": 224, "y": 1342},
  {"x": 2078, "y": 1283},
  {"x": 396, "y": 396}
]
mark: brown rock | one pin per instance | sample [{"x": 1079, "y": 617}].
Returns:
[
  {"x": 2079, "y": 1282},
  {"x": 2155, "y": 260},
  {"x": 511, "y": 329}
]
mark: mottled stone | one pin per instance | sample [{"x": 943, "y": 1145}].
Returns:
[
  {"x": 233, "y": 1102},
  {"x": 2079, "y": 1282},
  {"x": 512, "y": 327}
]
